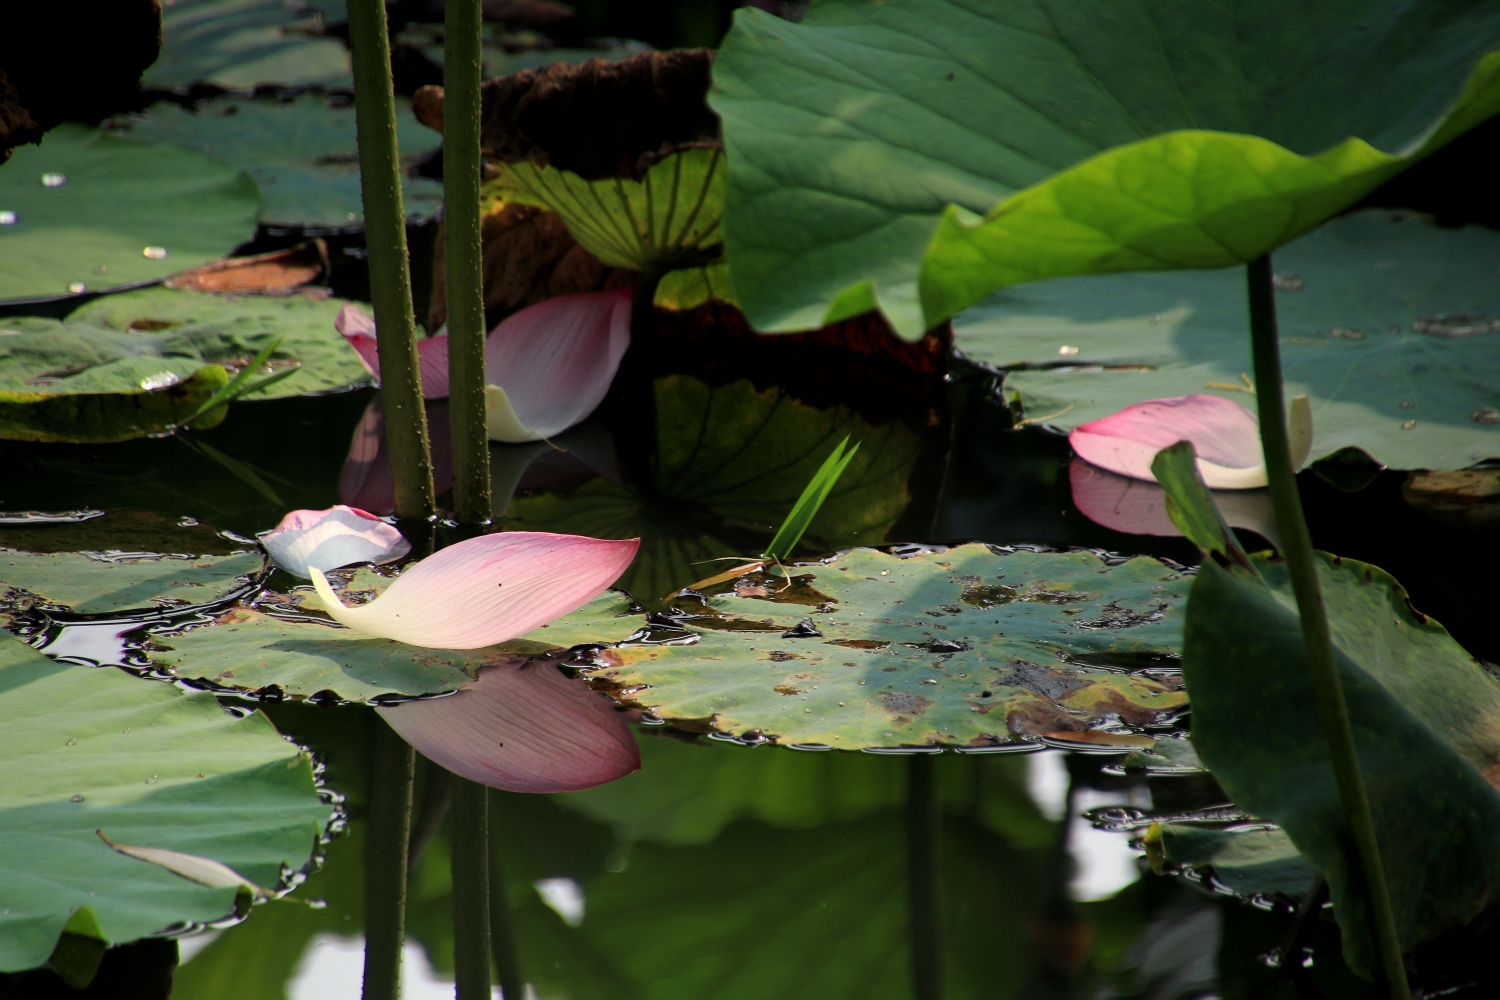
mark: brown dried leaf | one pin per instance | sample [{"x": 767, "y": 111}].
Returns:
[{"x": 277, "y": 273}]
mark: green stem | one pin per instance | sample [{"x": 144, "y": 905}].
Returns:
[
  {"x": 502, "y": 931},
  {"x": 393, "y": 765},
  {"x": 470, "y": 830},
  {"x": 463, "y": 254},
  {"x": 1297, "y": 550},
  {"x": 923, "y": 834},
  {"x": 390, "y": 279}
]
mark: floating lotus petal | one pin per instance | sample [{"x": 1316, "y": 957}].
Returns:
[
  {"x": 549, "y": 365},
  {"x": 524, "y": 727},
  {"x": 1225, "y": 435},
  {"x": 487, "y": 590},
  {"x": 1138, "y": 508},
  {"x": 320, "y": 540},
  {"x": 358, "y": 328}
]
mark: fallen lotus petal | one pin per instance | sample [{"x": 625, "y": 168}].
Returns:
[
  {"x": 522, "y": 726},
  {"x": 549, "y": 366},
  {"x": 327, "y": 539},
  {"x": 1139, "y": 508},
  {"x": 487, "y": 590},
  {"x": 204, "y": 871},
  {"x": 1225, "y": 435},
  {"x": 358, "y": 328}
]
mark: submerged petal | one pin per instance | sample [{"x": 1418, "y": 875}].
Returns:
[
  {"x": 549, "y": 366},
  {"x": 488, "y": 589},
  {"x": 1140, "y": 508},
  {"x": 524, "y": 727},
  {"x": 322, "y": 540},
  {"x": 358, "y": 328},
  {"x": 1225, "y": 435}
]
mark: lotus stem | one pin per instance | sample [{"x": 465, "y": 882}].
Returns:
[
  {"x": 471, "y": 889},
  {"x": 390, "y": 276},
  {"x": 463, "y": 253},
  {"x": 923, "y": 839},
  {"x": 502, "y": 930},
  {"x": 393, "y": 766},
  {"x": 1297, "y": 550}
]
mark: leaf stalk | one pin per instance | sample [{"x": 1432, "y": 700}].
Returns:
[
  {"x": 471, "y": 886},
  {"x": 392, "y": 772},
  {"x": 1297, "y": 549}
]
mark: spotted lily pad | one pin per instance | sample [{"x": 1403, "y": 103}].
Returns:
[
  {"x": 98, "y": 582},
  {"x": 90, "y": 749},
  {"x": 972, "y": 646},
  {"x": 1390, "y": 324}
]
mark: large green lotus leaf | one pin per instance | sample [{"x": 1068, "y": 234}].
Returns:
[
  {"x": 302, "y": 153},
  {"x": 240, "y": 44},
  {"x": 91, "y": 749},
  {"x": 97, "y": 582},
  {"x": 283, "y": 639},
  {"x": 121, "y": 197},
  {"x": 233, "y": 329},
  {"x": 965, "y": 646},
  {"x": 666, "y": 219},
  {"x": 1404, "y": 397},
  {"x": 1250, "y": 860},
  {"x": 868, "y": 143}
]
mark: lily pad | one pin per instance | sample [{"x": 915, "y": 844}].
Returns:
[
  {"x": 91, "y": 749},
  {"x": 1425, "y": 718},
  {"x": 667, "y": 219},
  {"x": 97, "y": 582},
  {"x": 970, "y": 647},
  {"x": 303, "y": 153},
  {"x": 126, "y": 212},
  {"x": 1247, "y": 860},
  {"x": 917, "y": 156},
  {"x": 1352, "y": 332},
  {"x": 231, "y": 329},
  {"x": 241, "y": 44},
  {"x": 103, "y": 417}
]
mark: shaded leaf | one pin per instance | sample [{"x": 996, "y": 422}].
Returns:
[
  {"x": 1406, "y": 398},
  {"x": 240, "y": 44},
  {"x": 103, "y": 417},
  {"x": 1252, "y": 860}
]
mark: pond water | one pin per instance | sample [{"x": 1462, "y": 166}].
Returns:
[{"x": 721, "y": 868}]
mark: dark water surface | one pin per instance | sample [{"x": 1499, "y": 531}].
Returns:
[{"x": 721, "y": 870}]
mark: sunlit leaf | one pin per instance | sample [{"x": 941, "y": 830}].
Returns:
[{"x": 918, "y": 156}]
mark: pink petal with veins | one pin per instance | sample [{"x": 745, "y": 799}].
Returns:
[
  {"x": 328, "y": 539},
  {"x": 556, "y": 359},
  {"x": 358, "y": 328},
  {"x": 1224, "y": 434},
  {"x": 488, "y": 589},
  {"x": 524, "y": 727}
]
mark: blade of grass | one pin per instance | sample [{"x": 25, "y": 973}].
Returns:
[
  {"x": 240, "y": 470},
  {"x": 232, "y": 390},
  {"x": 808, "y": 504}
]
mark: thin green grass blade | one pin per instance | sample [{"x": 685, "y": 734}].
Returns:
[
  {"x": 807, "y": 505},
  {"x": 232, "y": 390}
]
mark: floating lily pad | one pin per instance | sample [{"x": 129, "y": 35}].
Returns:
[
  {"x": 91, "y": 749},
  {"x": 868, "y": 142},
  {"x": 1248, "y": 860},
  {"x": 665, "y": 220},
  {"x": 1351, "y": 337},
  {"x": 231, "y": 329},
  {"x": 241, "y": 44},
  {"x": 967, "y": 647},
  {"x": 103, "y": 417},
  {"x": 96, "y": 582},
  {"x": 303, "y": 153},
  {"x": 126, "y": 212}
]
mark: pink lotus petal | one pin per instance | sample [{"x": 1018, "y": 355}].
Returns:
[
  {"x": 1139, "y": 508},
  {"x": 365, "y": 480},
  {"x": 432, "y": 352},
  {"x": 488, "y": 589},
  {"x": 1225, "y": 435},
  {"x": 327, "y": 539},
  {"x": 524, "y": 727},
  {"x": 550, "y": 365}
]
